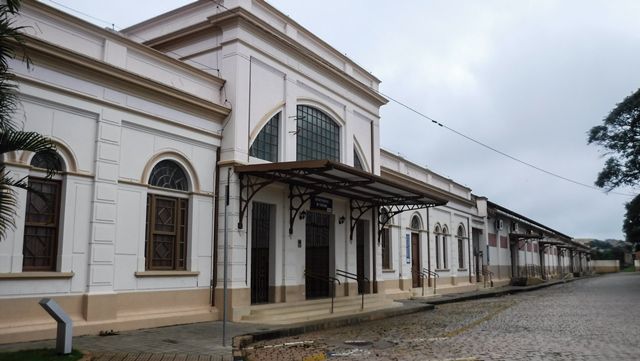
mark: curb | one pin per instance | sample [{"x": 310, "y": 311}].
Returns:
[{"x": 499, "y": 293}]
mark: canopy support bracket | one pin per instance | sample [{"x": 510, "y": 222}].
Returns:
[
  {"x": 249, "y": 187},
  {"x": 298, "y": 196},
  {"x": 357, "y": 209}
]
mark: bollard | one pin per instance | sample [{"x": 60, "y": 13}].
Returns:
[{"x": 65, "y": 325}]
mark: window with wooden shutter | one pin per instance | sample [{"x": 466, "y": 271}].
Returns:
[{"x": 40, "y": 247}]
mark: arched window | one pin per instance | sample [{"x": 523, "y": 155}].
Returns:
[
  {"x": 318, "y": 135},
  {"x": 265, "y": 146},
  {"x": 48, "y": 161},
  {"x": 168, "y": 174},
  {"x": 415, "y": 222},
  {"x": 386, "y": 239},
  {"x": 445, "y": 256},
  {"x": 438, "y": 233},
  {"x": 461, "y": 237},
  {"x": 42, "y": 216},
  {"x": 166, "y": 236},
  {"x": 357, "y": 163}
]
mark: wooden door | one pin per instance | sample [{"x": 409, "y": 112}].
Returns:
[
  {"x": 360, "y": 242},
  {"x": 415, "y": 259},
  {"x": 317, "y": 254},
  {"x": 260, "y": 239}
]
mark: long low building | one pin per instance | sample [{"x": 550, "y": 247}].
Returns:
[{"x": 217, "y": 145}]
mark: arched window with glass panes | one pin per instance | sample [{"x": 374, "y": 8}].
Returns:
[
  {"x": 357, "y": 163},
  {"x": 42, "y": 214},
  {"x": 265, "y": 146},
  {"x": 318, "y": 136},
  {"x": 445, "y": 256},
  {"x": 416, "y": 223},
  {"x": 461, "y": 235},
  {"x": 167, "y": 215},
  {"x": 438, "y": 235}
]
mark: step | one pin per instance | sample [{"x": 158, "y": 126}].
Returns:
[
  {"x": 316, "y": 301},
  {"x": 325, "y": 309},
  {"x": 294, "y": 307},
  {"x": 323, "y": 316}
]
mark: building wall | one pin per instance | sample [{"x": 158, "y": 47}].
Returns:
[
  {"x": 601, "y": 266},
  {"x": 109, "y": 134},
  {"x": 456, "y": 213},
  {"x": 267, "y": 73}
]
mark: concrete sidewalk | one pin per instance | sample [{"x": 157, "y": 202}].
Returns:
[{"x": 203, "y": 341}]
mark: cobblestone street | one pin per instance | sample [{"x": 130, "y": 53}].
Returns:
[{"x": 590, "y": 319}]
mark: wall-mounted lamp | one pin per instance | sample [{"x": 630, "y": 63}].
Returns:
[
  {"x": 302, "y": 215},
  {"x": 341, "y": 220}
]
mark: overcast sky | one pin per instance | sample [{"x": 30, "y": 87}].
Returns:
[{"x": 527, "y": 77}]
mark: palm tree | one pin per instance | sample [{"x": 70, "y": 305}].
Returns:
[{"x": 12, "y": 138}]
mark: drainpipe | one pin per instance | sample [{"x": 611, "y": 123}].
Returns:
[
  {"x": 374, "y": 238},
  {"x": 374, "y": 223},
  {"x": 469, "y": 248},
  {"x": 214, "y": 256},
  {"x": 428, "y": 250},
  {"x": 226, "y": 259}
]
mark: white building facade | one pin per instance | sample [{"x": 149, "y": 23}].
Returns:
[{"x": 228, "y": 121}]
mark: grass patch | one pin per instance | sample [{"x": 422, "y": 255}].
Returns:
[
  {"x": 45, "y": 354},
  {"x": 629, "y": 269}
]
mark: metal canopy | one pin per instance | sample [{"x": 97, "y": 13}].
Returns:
[
  {"x": 520, "y": 236},
  {"x": 306, "y": 179},
  {"x": 550, "y": 242}
]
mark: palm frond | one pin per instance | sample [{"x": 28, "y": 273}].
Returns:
[
  {"x": 13, "y": 140},
  {"x": 8, "y": 205},
  {"x": 12, "y": 43},
  {"x": 8, "y": 101}
]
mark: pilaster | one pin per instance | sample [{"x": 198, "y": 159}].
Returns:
[{"x": 103, "y": 220}]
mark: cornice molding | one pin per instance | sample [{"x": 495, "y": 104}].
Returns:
[
  {"x": 242, "y": 16},
  {"x": 70, "y": 61},
  {"x": 385, "y": 152},
  {"x": 118, "y": 37},
  {"x": 392, "y": 174},
  {"x": 68, "y": 92}
]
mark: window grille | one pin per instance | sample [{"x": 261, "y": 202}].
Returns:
[
  {"x": 168, "y": 174},
  {"x": 318, "y": 136},
  {"x": 356, "y": 161},
  {"x": 415, "y": 223},
  {"x": 47, "y": 161},
  {"x": 265, "y": 146}
]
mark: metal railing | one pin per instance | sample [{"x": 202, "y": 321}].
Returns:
[
  {"x": 430, "y": 274},
  {"x": 422, "y": 276},
  {"x": 328, "y": 279},
  {"x": 359, "y": 279},
  {"x": 487, "y": 274}
]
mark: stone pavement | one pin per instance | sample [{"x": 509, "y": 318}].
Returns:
[
  {"x": 198, "y": 341},
  {"x": 202, "y": 341},
  {"x": 590, "y": 319}
]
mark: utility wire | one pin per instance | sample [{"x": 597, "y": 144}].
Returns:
[
  {"x": 411, "y": 109},
  {"x": 493, "y": 149}
]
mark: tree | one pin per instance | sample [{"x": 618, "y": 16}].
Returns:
[
  {"x": 620, "y": 136},
  {"x": 12, "y": 45},
  {"x": 631, "y": 225}
]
